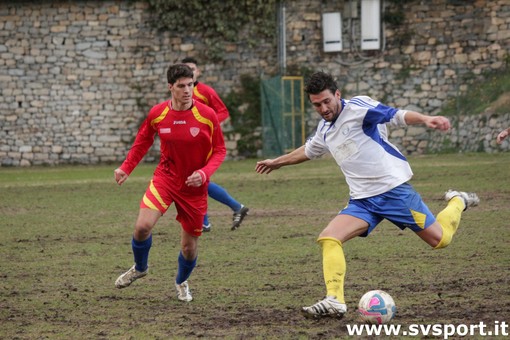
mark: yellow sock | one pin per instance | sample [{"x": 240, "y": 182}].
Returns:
[
  {"x": 333, "y": 265},
  {"x": 449, "y": 218}
]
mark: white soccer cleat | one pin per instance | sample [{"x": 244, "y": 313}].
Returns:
[
  {"x": 470, "y": 198},
  {"x": 329, "y": 307},
  {"x": 129, "y": 277},
  {"x": 183, "y": 292}
]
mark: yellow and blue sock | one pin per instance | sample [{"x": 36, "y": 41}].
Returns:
[{"x": 334, "y": 267}]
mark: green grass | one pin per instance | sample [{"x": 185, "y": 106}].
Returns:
[
  {"x": 66, "y": 232},
  {"x": 481, "y": 95}
]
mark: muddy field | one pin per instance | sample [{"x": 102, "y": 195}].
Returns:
[{"x": 65, "y": 241}]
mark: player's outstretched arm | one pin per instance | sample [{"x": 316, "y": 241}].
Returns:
[
  {"x": 295, "y": 157},
  {"x": 502, "y": 135},
  {"x": 432, "y": 122},
  {"x": 120, "y": 176}
]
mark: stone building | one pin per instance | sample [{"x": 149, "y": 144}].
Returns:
[{"x": 77, "y": 77}]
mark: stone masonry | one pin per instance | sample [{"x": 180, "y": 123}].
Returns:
[{"x": 78, "y": 77}]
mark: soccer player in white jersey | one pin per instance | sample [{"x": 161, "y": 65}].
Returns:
[{"x": 354, "y": 133}]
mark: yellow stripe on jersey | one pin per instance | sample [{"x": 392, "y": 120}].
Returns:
[
  {"x": 160, "y": 117},
  {"x": 156, "y": 194},
  {"x": 419, "y": 218},
  {"x": 204, "y": 120},
  {"x": 201, "y": 96}
]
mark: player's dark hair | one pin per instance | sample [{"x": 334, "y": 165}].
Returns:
[
  {"x": 189, "y": 60},
  {"x": 320, "y": 81},
  {"x": 178, "y": 71}
]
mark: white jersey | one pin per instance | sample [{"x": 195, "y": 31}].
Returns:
[{"x": 358, "y": 140}]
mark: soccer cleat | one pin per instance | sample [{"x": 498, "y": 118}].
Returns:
[
  {"x": 183, "y": 292},
  {"x": 129, "y": 277},
  {"x": 238, "y": 217},
  {"x": 329, "y": 307},
  {"x": 206, "y": 227},
  {"x": 470, "y": 198}
]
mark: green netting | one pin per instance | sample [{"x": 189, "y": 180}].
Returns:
[{"x": 283, "y": 115}]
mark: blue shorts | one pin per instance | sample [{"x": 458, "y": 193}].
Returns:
[{"x": 401, "y": 206}]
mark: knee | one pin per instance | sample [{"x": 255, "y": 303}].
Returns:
[
  {"x": 442, "y": 238},
  {"x": 435, "y": 236},
  {"x": 445, "y": 240},
  {"x": 323, "y": 239},
  {"x": 143, "y": 230},
  {"x": 435, "y": 241},
  {"x": 189, "y": 249}
]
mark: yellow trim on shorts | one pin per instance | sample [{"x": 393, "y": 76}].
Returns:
[
  {"x": 156, "y": 194},
  {"x": 148, "y": 203},
  {"x": 419, "y": 218}
]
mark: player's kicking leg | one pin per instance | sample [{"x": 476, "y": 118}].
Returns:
[{"x": 470, "y": 198}]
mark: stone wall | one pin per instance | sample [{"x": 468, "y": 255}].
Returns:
[
  {"x": 468, "y": 134},
  {"x": 77, "y": 77}
]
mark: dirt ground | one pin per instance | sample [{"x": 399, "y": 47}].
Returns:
[{"x": 57, "y": 278}]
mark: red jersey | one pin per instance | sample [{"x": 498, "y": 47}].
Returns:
[
  {"x": 207, "y": 95},
  {"x": 191, "y": 140}
]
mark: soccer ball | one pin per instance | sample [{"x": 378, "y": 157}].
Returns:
[{"x": 376, "y": 307}]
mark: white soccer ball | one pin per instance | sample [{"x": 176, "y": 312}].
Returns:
[{"x": 376, "y": 307}]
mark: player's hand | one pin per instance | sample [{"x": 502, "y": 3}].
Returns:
[
  {"x": 266, "y": 166},
  {"x": 438, "y": 123},
  {"x": 196, "y": 179},
  {"x": 502, "y": 135},
  {"x": 120, "y": 176}
]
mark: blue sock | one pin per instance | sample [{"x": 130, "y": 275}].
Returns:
[
  {"x": 206, "y": 220},
  {"x": 221, "y": 195},
  {"x": 184, "y": 269},
  {"x": 141, "y": 253}
]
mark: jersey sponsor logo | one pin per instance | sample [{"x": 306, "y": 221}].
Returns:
[
  {"x": 179, "y": 122},
  {"x": 344, "y": 151},
  {"x": 165, "y": 130},
  {"x": 194, "y": 131}
]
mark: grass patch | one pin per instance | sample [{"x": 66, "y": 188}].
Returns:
[
  {"x": 493, "y": 92},
  {"x": 66, "y": 235}
]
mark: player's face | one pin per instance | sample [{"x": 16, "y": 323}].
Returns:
[
  {"x": 182, "y": 93},
  {"x": 327, "y": 104}
]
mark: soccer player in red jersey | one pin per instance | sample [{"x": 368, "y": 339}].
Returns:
[
  {"x": 192, "y": 149},
  {"x": 207, "y": 95}
]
